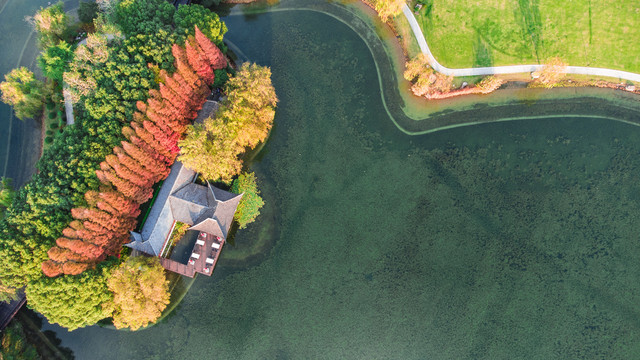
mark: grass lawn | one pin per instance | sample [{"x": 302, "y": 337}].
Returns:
[{"x": 473, "y": 33}]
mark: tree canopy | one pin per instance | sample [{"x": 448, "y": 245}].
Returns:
[
  {"x": 251, "y": 203},
  {"x": 73, "y": 301},
  {"x": 135, "y": 96},
  {"x": 7, "y": 194},
  {"x": 189, "y": 16},
  {"x": 388, "y": 8},
  {"x": 243, "y": 120},
  {"x": 54, "y": 61},
  {"x": 51, "y": 24},
  {"x": 22, "y": 91},
  {"x": 140, "y": 292}
]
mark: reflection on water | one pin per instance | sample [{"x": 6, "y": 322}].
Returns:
[{"x": 508, "y": 240}]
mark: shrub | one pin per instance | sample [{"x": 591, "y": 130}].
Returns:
[
  {"x": 50, "y": 106},
  {"x": 52, "y": 115},
  {"x": 251, "y": 203},
  {"x": 221, "y": 78},
  {"x": 48, "y": 140},
  {"x": 53, "y": 126},
  {"x": 49, "y": 132}
]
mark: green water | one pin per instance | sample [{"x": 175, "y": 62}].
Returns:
[{"x": 515, "y": 240}]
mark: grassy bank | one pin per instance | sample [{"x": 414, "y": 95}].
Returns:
[{"x": 467, "y": 33}]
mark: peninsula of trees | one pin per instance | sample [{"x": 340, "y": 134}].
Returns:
[{"x": 137, "y": 84}]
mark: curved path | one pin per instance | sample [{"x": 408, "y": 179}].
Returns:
[{"x": 512, "y": 69}]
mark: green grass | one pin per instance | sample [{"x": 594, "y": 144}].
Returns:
[{"x": 472, "y": 33}]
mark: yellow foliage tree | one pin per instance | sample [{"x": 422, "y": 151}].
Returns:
[
  {"x": 250, "y": 106},
  {"x": 489, "y": 84},
  {"x": 425, "y": 80},
  {"x": 388, "y": 8},
  {"x": 211, "y": 149},
  {"x": 552, "y": 72},
  {"x": 140, "y": 292},
  {"x": 243, "y": 120}
]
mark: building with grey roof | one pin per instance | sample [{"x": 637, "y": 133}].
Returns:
[{"x": 206, "y": 208}]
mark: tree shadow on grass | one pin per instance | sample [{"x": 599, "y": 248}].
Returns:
[
  {"x": 530, "y": 23},
  {"x": 483, "y": 54}
]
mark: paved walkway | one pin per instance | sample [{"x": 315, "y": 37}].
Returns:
[{"x": 514, "y": 69}]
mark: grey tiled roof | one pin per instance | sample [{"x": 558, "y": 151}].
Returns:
[
  {"x": 209, "y": 226},
  {"x": 206, "y": 208}
]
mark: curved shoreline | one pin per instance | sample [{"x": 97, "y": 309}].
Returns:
[
  {"x": 501, "y": 70},
  {"x": 414, "y": 116}
]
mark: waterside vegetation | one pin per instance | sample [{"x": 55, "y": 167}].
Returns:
[{"x": 136, "y": 84}]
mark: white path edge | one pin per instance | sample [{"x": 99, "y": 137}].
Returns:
[{"x": 512, "y": 69}]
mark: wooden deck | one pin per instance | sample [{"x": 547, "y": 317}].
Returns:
[{"x": 200, "y": 264}]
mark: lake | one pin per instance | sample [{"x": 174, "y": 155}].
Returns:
[{"x": 511, "y": 240}]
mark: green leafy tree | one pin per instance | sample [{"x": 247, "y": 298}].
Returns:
[
  {"x": 15, "y": 345},
  {"x": 144, "y": 16},
  {"x": 187, "y": 18},
  {"x": 251, "y": 203},
  {"x": 22, "y": 91},
  {"x": 73, "y": 301},
  {"x": 55, "y": 60},
  {"x": 51, "y": 23},
  {"x": 87, "y": 11},
  {"x": 140, "y": 292},
  {"x": 7, "y": 194},
  {"x": 21, "y": 256}
]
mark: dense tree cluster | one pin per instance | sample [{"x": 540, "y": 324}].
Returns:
[
  {"x": 243, "y": 121},
  {"x": 73, "y": 301},
  {"x": 55, "y": 60},
  {"x": 134, "y": 96},
  {"x": 140, "y": 292},
  {"x": 136, "y": 164}
]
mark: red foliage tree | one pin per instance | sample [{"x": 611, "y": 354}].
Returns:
[
  {"x": 210, "y": 51},
  {"x": 74, "y": 268},
  {"x": 113, "y": 162},
  {"x": 137, "y": 193},
  {"x": 168, "y": 141},
  {"x": 146, "y": 159},
  {"x": 60, "y": 254},
  {"x": 135, "y": 166},
  {"x": 51, "y": 268},
  {"x": 199, "y": 62}
]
